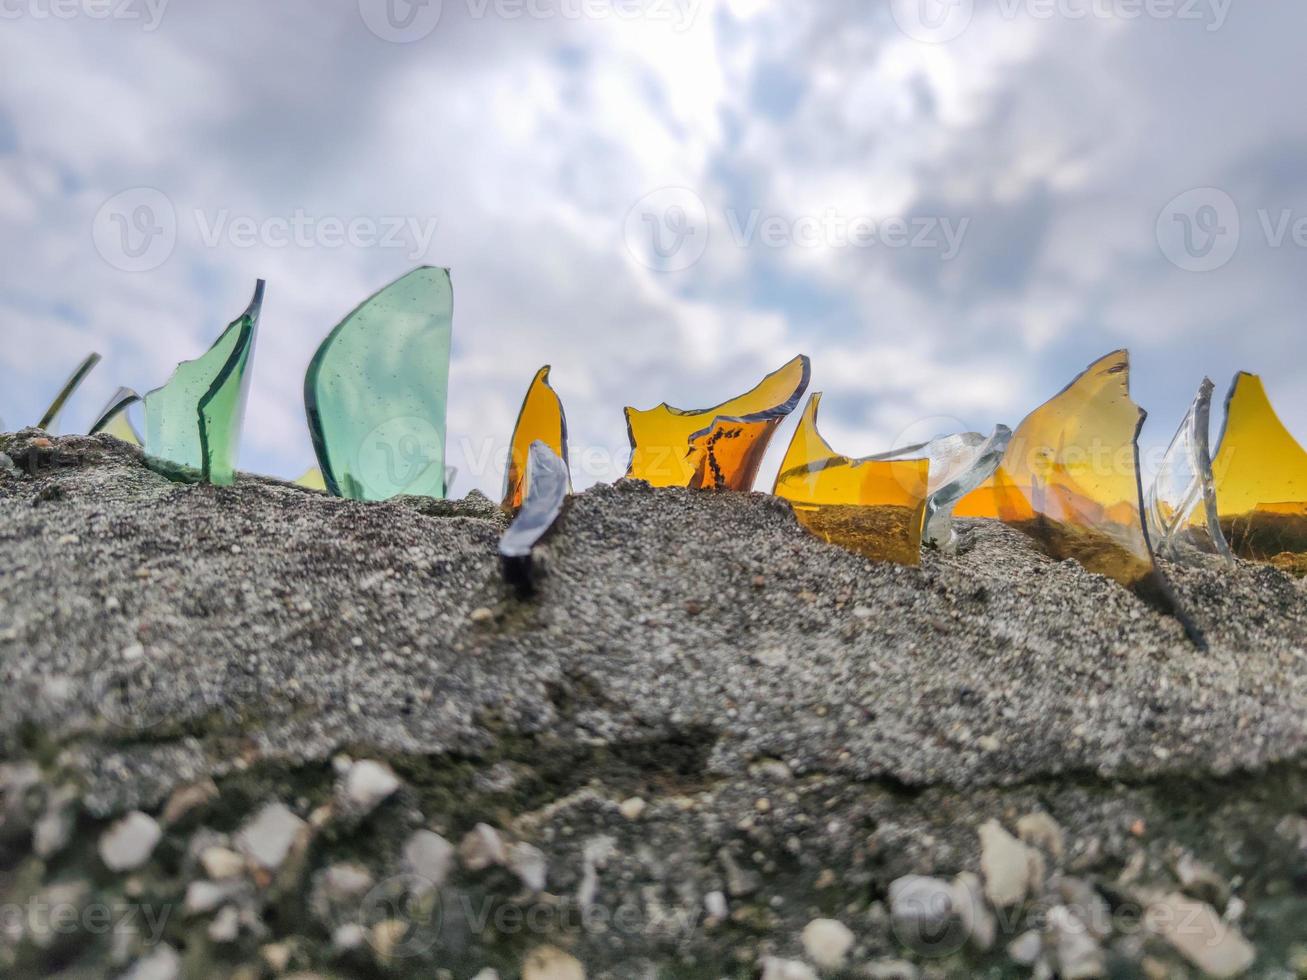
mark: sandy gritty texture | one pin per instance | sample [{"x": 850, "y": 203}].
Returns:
[{"x": 154, "y": 633}]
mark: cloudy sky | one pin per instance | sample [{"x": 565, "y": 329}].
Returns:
[{"x": 952, "y": 207}]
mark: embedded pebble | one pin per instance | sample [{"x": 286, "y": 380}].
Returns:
[
  {"x": 551, "y": 963},
  {"x": 827, "y": 942},
  {"x": 368, "y": 783},
  {"x": 481, "y": 848},
  {"x": 128, "y": 844},
  {"x": 428, "y": 857},
  {"x": 269, "y": 836},
  {"x": 1009, "y": 866},
  {"x": 529, "y": 864}
]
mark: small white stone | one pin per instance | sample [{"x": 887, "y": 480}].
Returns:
[
  {"x": 349, "y": 936},
  {"x": 221, "y": 863},
  {"x": 481, "y": 848},
  {"x": 52, "y": 832},
  {"x": 714, "y": 903},
  {"x": 1025, "y": 949},
  {"x": 1199, "y": 935},
  {"x": 551, "y": 963},
  {"x": 481, "y": 615},
  {"x": 529, "y": 864},
  {"x": 487, "y": 974},
  {"x": 226, "y": 925},
  {"x": 428, "y": 857},
  {"x": 632, "y": 809},
  {"x": 163, "y": 963},
  {"x": 827, "y": 943},
  {"x": 369, "y": 782},
  {"x": 268, "y": 837},
  {"x": 111, "y": 604},
  {"x": 133, "y": 652},
  {"x": 205, "y": 896},
  {"x": 129, "y": 843},
  {"x": 1009, "y": 866},
  {"x": 276, "y": 955},
  {"x": 778, "y": 969},
  {"x": 1040, "y": 830}
]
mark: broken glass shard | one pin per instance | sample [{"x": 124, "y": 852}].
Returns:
[
  {"x": 195, "y": 419},
  {"x": 540, "y": 420},
  {"x": 376, "y": 390},
  {"x": 75, "y": 379},
  {"x": 311, "y": 479},
  {"x": 958, "y": 464},
  {"x": 872, "y": 506},
  {"x": 547, "y": 486},
  {"x": 1260, "y": 473},
  {"x": 714, "y": 448},
  {"x": 113, "y": 419},
  {"x": 1070, "y": 480},
  {"x": 1180, "y": 503}
]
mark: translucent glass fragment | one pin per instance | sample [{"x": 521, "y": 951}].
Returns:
[
  {"x": 714, "y": 448},
  {"x": 113, "y": 419},
  {"x": 958, "y": 464},
  {"x": 51, "y": 415},
  {"x": 376, "y": 390},
  {"x": 872, "y": 506},
  {"x": 195, "y": 419},
  {"x": 540, "y": 420},
  {"x": 1070, "y": 476},
  {"x": 1180, "y": 503},
  {"x": 547, "y": 486},
  {"x": 1260, "y": 473},
  {"x": 311, "y": 479}
]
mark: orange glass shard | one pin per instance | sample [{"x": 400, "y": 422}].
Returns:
[
  {"x": 1070, "y": 480},
  {"x": 540, "y": 420},
  {"x": 715, "y": 448},
  {"x": 873, "y": 506},
  {"x": 1260, "y": 473}
]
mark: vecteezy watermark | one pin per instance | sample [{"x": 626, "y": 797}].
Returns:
[
  {"x": 149, "y": 13},
  {"x": 44, "y": 921},
  {"x": 1202, "y": 229},
  {"x": 137, "y": 230},
  {"x": 406, "y": 21},
  {"x": 668, "y": 230},
  {"x": 940, "y": 21},
  {"x": 402, "y": 456}
]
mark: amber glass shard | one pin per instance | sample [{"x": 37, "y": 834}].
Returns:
[
  {"x": 1180, "y": 503},
  {"x": 113, "y": 419},
  {"x": 1260, "y": 472},
  {"x": 195, "y": 419},
  {"x": 547, "y": 486},
  {"x": 1070, "y": 480},
  {"x": 715, "y": 448},
  {"x": 311, "y": 479},
  {"x": 66, "y": 391},
  {"x": 376, "y": 390},
  {"x": 540, "y": 420},
  {"x": 872, "y": 506}
]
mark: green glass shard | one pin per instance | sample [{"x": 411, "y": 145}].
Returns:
[
  {"x": 376, "y": 390},
  {"x": 113, "y": 419},
  {"x": 74, "y": 380},
  {"x": 195, "y": 419}
]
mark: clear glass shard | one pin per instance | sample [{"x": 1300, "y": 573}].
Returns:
[
  {"x": 872, "y": 506},
  {"x": 74, "y": 381},
  {"x": 195, "y": 419},
  {"x": 1260, "y": 474},
  {"x": 1180, "y": 503},
  {"x": 717, "y": 448},
  {"x": 958, "y": 464},
  {"x": 376, "y": 391},
  {"x": 547, "y": 485},
  {"x": 540, "y": 420},
  {"x": 113, "y": 419}
]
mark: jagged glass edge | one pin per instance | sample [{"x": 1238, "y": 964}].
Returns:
[
  {"x": 119, "y": 401},
  {"x": 775, "y": 412},
  {"x": 74, "y": 381},
  {"x": 542, "y": 376},
  {"x": 1193, "y": 433},
  {"x": 547, "y": 485},
  {"x": 311, "y": 398},
  {"x": 244, "y": 352},
  {"x": 938, "y": 527},
  {"x": 250, "y": 321}
]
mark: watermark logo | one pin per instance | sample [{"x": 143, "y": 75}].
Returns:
[
  {"x": 149, "y": 13},
  {"x": 303, "y": 230},
  {"x": 136, "y": 230},
  {"x": 401, "y": 916},
  {"x": 401, "y": 21},
  {"x": 123, "y": 693},
  {"x": 667, "y": 230},
  {"x": 402, "y": 455},
  {"x": 1199, "y": 230},
  {"x": 933, "y": 21}
]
